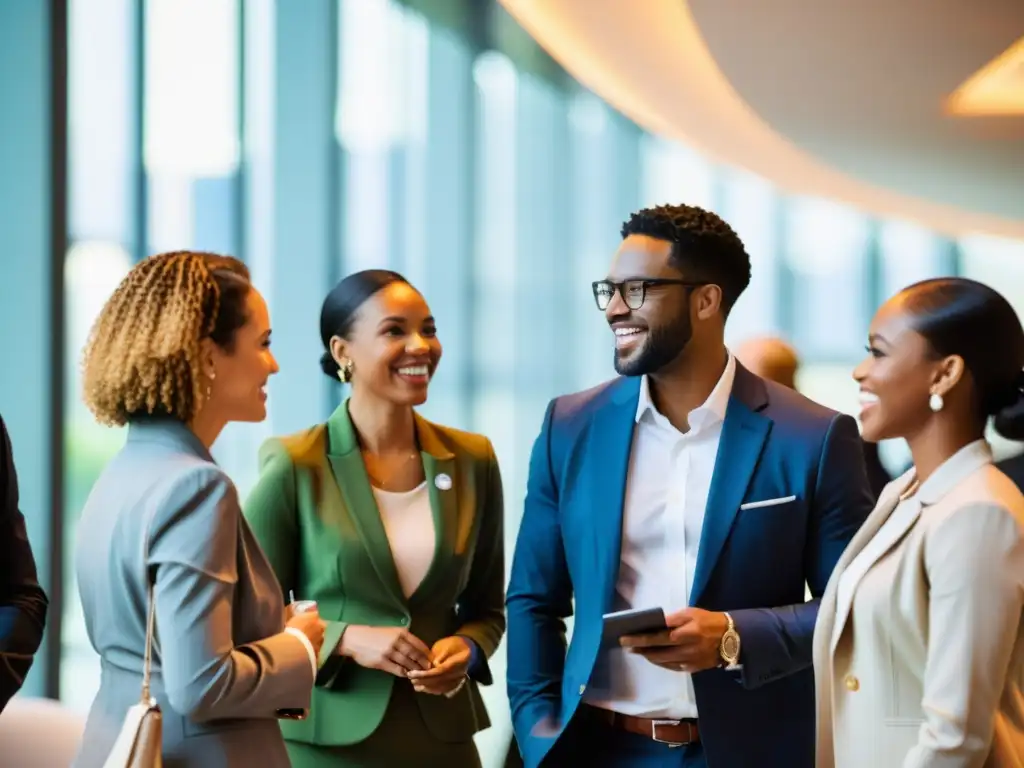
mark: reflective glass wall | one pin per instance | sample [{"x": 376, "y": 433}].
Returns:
[{"x": 317, "y": 138}]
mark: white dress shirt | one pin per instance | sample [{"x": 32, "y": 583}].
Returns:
[{"x": 663, "y": 516}]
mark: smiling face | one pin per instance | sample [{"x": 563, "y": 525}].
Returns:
[
  {"x": 899, "y": 375},
  {"x": 238, "y": 389},
  {"x": 393, "y": 345},
  {"x": 649, "y": 338}
]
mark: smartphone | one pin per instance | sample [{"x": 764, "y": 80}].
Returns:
[{"x": 632, "y": 622}]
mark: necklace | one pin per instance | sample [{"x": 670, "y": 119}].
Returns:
[{"x": 388, "y": 482}]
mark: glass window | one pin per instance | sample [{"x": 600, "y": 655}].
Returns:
[
  {"x": 191, "y": 121},
  {"x": 494, "y": 306},
  {"x": 495, "y": 249},
  {"x": 605, "y": 179},
  {"x": 101, "y": 227},
  {"x": 381, "y": 124},
  {"x": 191, "y": 153},
  {"x": 674, "y": 174},
  {"x": 910, "y": 253},
  {"x": 542, "y": 266},
  {"x": 437, "y": 246},
  {"x": 999, "y": 262},
  {"x": 751, "y": 207},
  {"x": 101, "y": 121},
  {"x": 826, "y": 252},
  {"x": 92, "y": 271}
]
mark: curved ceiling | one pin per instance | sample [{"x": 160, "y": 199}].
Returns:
[{"x": 842, "y": 99}]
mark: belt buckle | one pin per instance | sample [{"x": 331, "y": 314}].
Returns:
[{"x": 654, "y": 731}]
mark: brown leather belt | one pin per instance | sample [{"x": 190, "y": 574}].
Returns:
[{"x": 675, "y": 733}]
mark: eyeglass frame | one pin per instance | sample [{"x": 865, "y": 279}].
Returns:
[{"x": 645, "y": 283}]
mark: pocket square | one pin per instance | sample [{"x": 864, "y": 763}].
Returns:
[{"x": 767, "y": 502}]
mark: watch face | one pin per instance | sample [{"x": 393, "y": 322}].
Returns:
[{"x": 731, "y": 645}]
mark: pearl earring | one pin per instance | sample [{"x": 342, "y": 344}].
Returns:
[{"x": 935, "y": 402}]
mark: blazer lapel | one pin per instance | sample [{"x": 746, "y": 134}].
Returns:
[
  {"x": 830, "y": 609},
  {"x": 610, "y": 443},
  {"x": 967, "y": 460},
  {"x": 357, "y": 494},
  {"x": 827, "y": 610},
  {"x": 448, "y": 494},
  {"x": 744, "y": 432}
]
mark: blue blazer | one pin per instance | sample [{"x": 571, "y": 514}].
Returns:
[{"x": 753, "y": 563}]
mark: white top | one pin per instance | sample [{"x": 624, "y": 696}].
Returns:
[
  {"x": 409, "y": 525},
  {"x": 666, "y": 494}
]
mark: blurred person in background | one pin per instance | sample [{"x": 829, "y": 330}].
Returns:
[
  {"x": 773, "y": 359},
  {"x": 180, "y": 350},
  {"x": 770, "y": 358},
  {"x": 919, "y": 647},
  {"x": 687, "y": 484},
  {"x": 22, "y": 601},
  {"x": 394, "y": 525}
]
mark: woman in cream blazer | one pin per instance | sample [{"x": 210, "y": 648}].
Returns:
[{"x": 918, "y": 650}]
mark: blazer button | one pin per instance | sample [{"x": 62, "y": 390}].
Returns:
[
  {"x": 582, "y": 689},
  {"x": 852, "y": 683},
  {"x": 403, "y": 621}
]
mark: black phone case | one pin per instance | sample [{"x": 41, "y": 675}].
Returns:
[{"x": 632, "y": 623}]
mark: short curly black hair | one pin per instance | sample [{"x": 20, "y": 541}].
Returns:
[{"x": 704, "y": 247}]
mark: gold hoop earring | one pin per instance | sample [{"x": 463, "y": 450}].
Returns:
[{"x": 345, "y": 371}]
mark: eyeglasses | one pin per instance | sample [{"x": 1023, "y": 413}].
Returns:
[{"x": 633, "y": 292}]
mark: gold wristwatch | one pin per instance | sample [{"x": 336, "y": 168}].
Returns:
[{"x": 729, "y": 648}]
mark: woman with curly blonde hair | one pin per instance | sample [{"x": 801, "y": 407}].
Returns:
[{"x": 181, "y": 349}]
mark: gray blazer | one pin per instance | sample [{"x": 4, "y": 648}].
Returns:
[
  {"x": 222, "y": 665},
  {"x": 922, "y": 666}
]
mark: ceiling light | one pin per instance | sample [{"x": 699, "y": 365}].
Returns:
[{"x": 995, "y": 89}]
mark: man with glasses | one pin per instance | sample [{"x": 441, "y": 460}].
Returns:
[{"x": 687, "y": 484}]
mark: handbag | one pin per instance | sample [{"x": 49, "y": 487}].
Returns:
[{"x": 140, "y": 742}]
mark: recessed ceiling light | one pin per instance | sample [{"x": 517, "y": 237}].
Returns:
[{"x": 995, "y": 89}]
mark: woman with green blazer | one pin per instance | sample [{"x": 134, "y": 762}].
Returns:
[{"x": 393, "y": 525}]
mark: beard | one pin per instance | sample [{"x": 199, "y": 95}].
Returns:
[{"x": 662, "y": 345}]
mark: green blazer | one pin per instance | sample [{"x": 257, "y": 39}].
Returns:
[{"x": 314, "y": 513}]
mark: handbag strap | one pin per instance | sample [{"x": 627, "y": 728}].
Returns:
[{"x": 147, "y": 659}]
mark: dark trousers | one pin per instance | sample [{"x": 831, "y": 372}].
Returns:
[{"x": 592, "y": 742}]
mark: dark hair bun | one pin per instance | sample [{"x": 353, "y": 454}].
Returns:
[
  {"x": 1009, "y": 421},
  {"x": 343, "y": 304},
  {"x": 963, "y": 317},
  {"x": 329, "y": 365}
]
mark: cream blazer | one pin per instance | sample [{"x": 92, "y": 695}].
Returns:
[{"x": 924, "y": 665}]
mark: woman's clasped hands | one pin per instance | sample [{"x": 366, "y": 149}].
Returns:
[
  {"x": 447, "y": 675},
  {"x": 440, "y": 670}
]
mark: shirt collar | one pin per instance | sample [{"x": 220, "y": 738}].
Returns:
[{"x": 712, "y": 410}]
